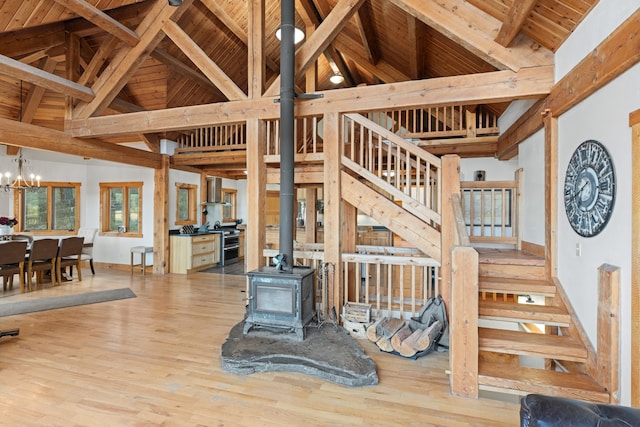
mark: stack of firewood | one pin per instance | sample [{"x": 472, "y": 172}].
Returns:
[{"x": 405, "y": 338}]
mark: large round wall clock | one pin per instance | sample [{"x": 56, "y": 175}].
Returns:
[{"x": 589, "y": 188}]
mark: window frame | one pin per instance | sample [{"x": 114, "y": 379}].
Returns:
[
  {"x": 18, "y": 209},
  {"x": 105, "y": 208},
  {"x": 192, "y": 201},
  {"x": 233, "y": 197}
]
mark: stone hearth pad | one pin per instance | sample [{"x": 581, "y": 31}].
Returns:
[{"x": 327, "y": 352}]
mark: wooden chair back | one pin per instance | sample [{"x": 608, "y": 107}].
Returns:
[
  {"x": 12, "y": 256},
  {"x": 42, "y": 257},
  {"x": 69, "y": 255}
]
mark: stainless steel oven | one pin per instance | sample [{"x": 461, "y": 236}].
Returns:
[{"x": 230, "y": 243}]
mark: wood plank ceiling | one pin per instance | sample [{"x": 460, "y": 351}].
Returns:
[{"x": 92, "y": 54}]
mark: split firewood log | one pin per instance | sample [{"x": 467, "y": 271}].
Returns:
[
  {"x": 384, "y": 344},
  {"x": 406, "y": 347},
  {"x": 400, "y": 336},
  {"x": 388, "y": 329},
  {"x": 372, "y": 333},
  {"x": 427, "y": 336}
]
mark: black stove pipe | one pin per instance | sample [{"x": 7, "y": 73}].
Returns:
[{"x": 287, "y": 95}]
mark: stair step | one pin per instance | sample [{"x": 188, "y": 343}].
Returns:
[
  {"x": 508, "y": 257},
  {"x": 512, "y": 271},
  {"x": 525, "y": 313},
  {"x": 520, "y": 380},
  {"x": 524, "y": 343},
  {"x": 516, "y": 286}
]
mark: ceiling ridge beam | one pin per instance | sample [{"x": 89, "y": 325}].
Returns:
[{"x": 497, "y": 86}]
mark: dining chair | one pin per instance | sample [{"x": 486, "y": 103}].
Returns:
[
  {"x": 42, "y": 257},
  {"x": 69, "y": 255},
  {"x": 12, "y": 256},
  {"x": 89, "y": 235}
]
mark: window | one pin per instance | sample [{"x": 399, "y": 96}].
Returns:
[
  {"x": 186, "y": 207},
  {"x": 229, "y": 206},
  {"x": 52, "y": 208},
  {"x": 121, "y": 208}
]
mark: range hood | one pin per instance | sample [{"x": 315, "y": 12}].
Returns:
[{"x": 214, "y": 190}]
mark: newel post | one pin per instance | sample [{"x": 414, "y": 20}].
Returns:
[
  {"x": 609, "y": 329},
  {"x": 450, "y": 184},
  {"x": 463, "y": 324}
]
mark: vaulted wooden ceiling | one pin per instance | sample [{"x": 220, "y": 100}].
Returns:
[{"x": 63, "y": 59}]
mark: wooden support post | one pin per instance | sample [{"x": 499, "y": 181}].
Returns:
[
  {"x": 332, "y": 202},
  {"x": 551, "y": 194},
  {"x": 463, "y": 325},
  {"x": 161, "y": 218},
  {"x": 609, "y": 329},
  {"x": 311, "y": 214},
  {"x": 349, "y": 237},
  {"x": 519, "y": 195},
  {"x": 450, "y": 184},
  {"x": 257, "y": 194}
]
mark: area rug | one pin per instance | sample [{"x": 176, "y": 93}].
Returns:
[
  {"x": 329, "y": 353},
  {"x": 43, "y": 304}
]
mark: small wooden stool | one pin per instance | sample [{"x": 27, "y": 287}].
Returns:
[{"x": 142, "y": 250}]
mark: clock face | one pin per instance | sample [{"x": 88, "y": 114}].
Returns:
[{"x": 589, "y": 188}]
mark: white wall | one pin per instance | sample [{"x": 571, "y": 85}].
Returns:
[{"x": 604, "y": 116}]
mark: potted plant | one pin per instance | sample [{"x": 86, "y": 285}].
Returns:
[{"x": 6, "y": 224}]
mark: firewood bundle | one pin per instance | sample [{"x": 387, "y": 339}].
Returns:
[{"x": 405, "y": 338}]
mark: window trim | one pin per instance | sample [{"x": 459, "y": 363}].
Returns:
[
  {"x": 105, "y": 208},
  {"x": 18, "y": 209},
  {"x": 192, "y": 199},
  {"x": 232, "y": 205}
]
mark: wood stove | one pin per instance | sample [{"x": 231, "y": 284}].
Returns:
[{"x": 280, "y": 299}]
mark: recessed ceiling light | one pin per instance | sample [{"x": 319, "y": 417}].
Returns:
[{"x": 336, "y": 79}]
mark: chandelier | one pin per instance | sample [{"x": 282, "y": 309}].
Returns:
[{"x": 21, "y": 180}]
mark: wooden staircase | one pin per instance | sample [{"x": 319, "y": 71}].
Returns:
[{"x": 507, "y": 343}]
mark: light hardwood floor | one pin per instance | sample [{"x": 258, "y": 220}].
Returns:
[{"x": 155, "y": 360}]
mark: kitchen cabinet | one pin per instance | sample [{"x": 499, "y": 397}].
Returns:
[
  {"x": 241, "y": 244},
  {"x": 194, "y": 252}
]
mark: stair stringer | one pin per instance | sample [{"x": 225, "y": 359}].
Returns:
[
  {"x": 394, "y": 217},
  {"x": 576, "y": 331}
]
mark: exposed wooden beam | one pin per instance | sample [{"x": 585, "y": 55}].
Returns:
[
  {"x": 318, "y": 41},
  {"x": 36, "y": 93},
  {"x": 101, "y": 19},
  {"x": 364, "y": 19},
  {"x": 255, "y": 48},
  {"x": 36, "y": 76},
  {"x": 181, "y": 68},
  {"x": 383, "y": 70},
  {"x": 223, "y": 82},
  {"x": 98, "y": 60},
  {"x": 41, "y": 138},
  {"x": 236, "y": 29},
  {"x": 24, "y": 42},
  {"x": 514, "y": 20},
  {"x": 127, "y": 60},
  {"x": 447, "y": 17},
  {"x": 615, "y": 55},
  {"x": 498, "y": 86}
]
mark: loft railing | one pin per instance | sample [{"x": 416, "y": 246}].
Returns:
[
  {"x": 230, "y": 136},
  {"x": 307, "y": 131},
  {"x": 447, "y": 121},
  {"x": 492, "y": 210},
  {"x": 409, "y": 174}
]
